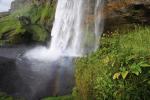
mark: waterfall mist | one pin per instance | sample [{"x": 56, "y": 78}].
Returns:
[
  {"x": 49, "y": 71},
  {"x": 76, "y": 30}
]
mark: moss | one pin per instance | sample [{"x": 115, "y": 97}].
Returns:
[{"x": 30, "y": 20}]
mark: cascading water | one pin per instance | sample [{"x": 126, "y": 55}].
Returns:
[
  {"x": 48, "y": 71},
  {"x": 75, "y": 33},
  {"x": 76, "y": 30}
]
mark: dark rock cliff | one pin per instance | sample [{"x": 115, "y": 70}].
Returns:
[{"x": 125, "y": 12}]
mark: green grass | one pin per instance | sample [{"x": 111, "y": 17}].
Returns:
[
  {"x": 138, "y": 41},
  {"x": 119, "y": 70}
]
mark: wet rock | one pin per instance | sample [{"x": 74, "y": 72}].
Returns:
[{"x": 139, "y": 13}]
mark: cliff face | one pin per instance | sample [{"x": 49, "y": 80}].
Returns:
[
  {"x": 18, "y": 3},
  {"x": 124, "y": 12}
]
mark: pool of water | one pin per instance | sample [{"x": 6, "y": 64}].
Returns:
[{"x": 33, "y": 79}]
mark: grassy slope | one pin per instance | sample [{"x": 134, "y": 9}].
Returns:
[{"x": 118, "y": 70}]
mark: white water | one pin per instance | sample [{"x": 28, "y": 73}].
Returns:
[
  {"x": 76, "y": 30},
  {"x": 5, "y": 5}
]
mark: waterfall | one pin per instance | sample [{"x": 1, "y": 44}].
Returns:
[{"x": 76, "y": 29}]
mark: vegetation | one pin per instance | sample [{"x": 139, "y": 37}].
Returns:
[
  {"x": 30, "y": 23},
  {"x": 119, "y": 70},
  {"x": 3, "y": 96}
]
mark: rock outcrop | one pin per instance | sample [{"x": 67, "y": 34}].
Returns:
[
  {"x": 121, "y": 12},
  {"x": 18, "y": 3}
]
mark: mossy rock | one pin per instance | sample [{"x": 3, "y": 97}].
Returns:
[{"x": 30, "y": 23}]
